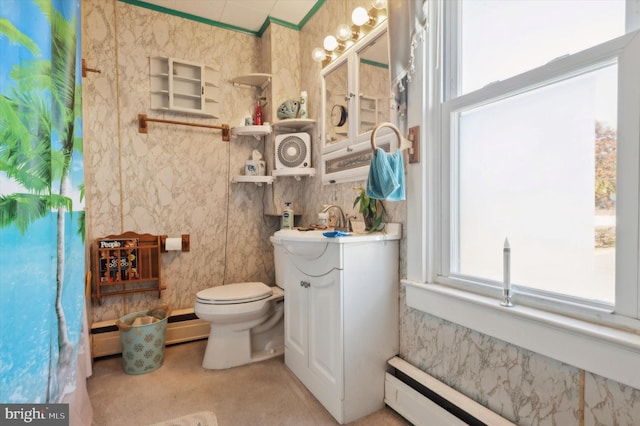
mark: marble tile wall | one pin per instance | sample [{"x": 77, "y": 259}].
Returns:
[
  {"x": 525, "y": 387},
  {"x": 175, "y": 179},
  {"x": 528, "y": 388}
]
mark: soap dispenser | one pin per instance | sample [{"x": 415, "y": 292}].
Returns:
[{"x": 287, "y": 216}]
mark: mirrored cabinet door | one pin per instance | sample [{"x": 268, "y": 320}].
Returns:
[
  {"x": 374, "y": 84},
  {"x": 336, "y": 104}
]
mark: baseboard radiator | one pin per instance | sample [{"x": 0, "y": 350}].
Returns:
[
  {"x": 424, "y": 400},
  {"x": 182, "y": 326}
]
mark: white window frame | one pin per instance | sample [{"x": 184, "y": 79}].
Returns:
[{"x": 590, "y": 337}]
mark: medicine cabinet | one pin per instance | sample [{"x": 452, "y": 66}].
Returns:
[
  {"x": 182, "y": 86},
  {"x": 357, "y": 97}
]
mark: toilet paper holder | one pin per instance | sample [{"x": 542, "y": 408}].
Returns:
[{"x": 185, "y": 243}]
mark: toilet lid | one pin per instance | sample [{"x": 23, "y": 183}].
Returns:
[{"x": 235, "y": 293}]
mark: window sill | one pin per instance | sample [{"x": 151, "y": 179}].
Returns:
[{"x": 606, "y": 351}]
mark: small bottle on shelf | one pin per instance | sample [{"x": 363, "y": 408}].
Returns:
[{"x": 257, "y": 117}]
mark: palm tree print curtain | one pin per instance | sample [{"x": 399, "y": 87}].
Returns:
[{"x": 41, "y": 205}]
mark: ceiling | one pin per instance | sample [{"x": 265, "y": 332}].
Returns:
[{"x": 247, "y": 15}]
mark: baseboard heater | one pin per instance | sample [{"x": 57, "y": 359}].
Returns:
[
  {"x": 424, "y": 400},
  {"x": 182, "y": 326}
]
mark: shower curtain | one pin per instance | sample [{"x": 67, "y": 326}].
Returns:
[{"x": 41, "y": 201}]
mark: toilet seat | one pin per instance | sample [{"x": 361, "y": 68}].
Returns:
[{"x": 234, "y": 293}]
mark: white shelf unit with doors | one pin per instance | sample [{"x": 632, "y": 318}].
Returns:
[{"x": 183, "y": 86}]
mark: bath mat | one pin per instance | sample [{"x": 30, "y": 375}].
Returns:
[{"x": 202, "y": 418}]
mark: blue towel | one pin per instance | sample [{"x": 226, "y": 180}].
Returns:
[{"x": 386, "y": 176}]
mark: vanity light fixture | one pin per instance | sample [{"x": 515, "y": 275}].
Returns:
[
  {"x": 347, "y": 34},
  {"x": 379, "y": 4},
  {"x": 330, "y": 43},
  {"x": 319, "y": 54},
  {"x": 361, "y": 17},
  {"x": 363, "y": 22}
]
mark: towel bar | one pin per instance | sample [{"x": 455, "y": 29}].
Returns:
[{"x": 402, "y": 142}]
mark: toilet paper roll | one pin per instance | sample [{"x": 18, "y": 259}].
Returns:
[{"x": 173, "y": 244}]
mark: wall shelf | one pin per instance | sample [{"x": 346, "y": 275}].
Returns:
[
  {"x": 258, "y": 180},
  {"x": 255, "y": 131},
  {"x": 294, "y": 172},
  {"x": 258, "y": 80},
  {"x": 294, "y": 124}
]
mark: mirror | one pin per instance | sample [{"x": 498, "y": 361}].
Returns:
[
  {"x": 348, "y": 119},
  {"x": 336, "y": 105},
  {"x": 375, "y": 83}
]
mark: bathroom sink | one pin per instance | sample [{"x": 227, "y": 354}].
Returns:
[{"x": 393, "y": 231}]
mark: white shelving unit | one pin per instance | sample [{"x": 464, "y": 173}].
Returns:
[
  {"x": 183, "y": 86},
  {"x": 260, "y": 82}
]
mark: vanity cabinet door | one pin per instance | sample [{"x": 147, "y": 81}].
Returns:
[
  {"x": 313, "y": 333},
  {"x": 325, "y": 331},
  {"x": 295, "y": 318}
]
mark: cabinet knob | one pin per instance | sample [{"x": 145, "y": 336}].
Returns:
[{"x": 305, "y": 284}]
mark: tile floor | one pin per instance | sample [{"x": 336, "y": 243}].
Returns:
[{"x": 264, "y": 393}]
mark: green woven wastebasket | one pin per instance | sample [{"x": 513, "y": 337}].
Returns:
[{"x": 142, "y": 335}]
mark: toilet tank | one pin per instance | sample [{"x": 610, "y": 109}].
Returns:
[{"x": 278, "y": 259}]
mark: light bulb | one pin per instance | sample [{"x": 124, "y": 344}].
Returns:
[
  {"x": 318, "y": 54},
  {"x": 360, "y": 16},
  {"x": 344, "y": 32},
  {"x": 330, "y": 43},
  {"x": 379, "y": 4}
]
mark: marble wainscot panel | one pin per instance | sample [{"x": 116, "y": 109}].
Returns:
[{"x": 175, "y": 179}]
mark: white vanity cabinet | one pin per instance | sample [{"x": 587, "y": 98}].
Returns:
[{"x": 341, "y": 317}]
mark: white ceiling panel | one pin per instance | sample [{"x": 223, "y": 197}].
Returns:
[
  {"x": 292, "y": 11},
  {"x": 243, "y": 17},
  {"x": 246, "y": 14},
  {"x": 208, "y": 9}
]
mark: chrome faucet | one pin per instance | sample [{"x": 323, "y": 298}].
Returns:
[{"x": 342, "y": 224}]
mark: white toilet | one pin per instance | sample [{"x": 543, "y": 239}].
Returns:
[{"x": 247, "y": 323}]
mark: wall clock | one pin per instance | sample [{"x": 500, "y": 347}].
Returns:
[{"x": 338, "y": 115}]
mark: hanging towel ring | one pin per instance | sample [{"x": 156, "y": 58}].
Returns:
[{"x": 403, "y": 143}]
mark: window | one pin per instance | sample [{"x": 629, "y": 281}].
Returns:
[
  {"x": 531, "y": 157},
  {"x": 500, "y": 39},
  {"x": 538, "y": 143}
]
